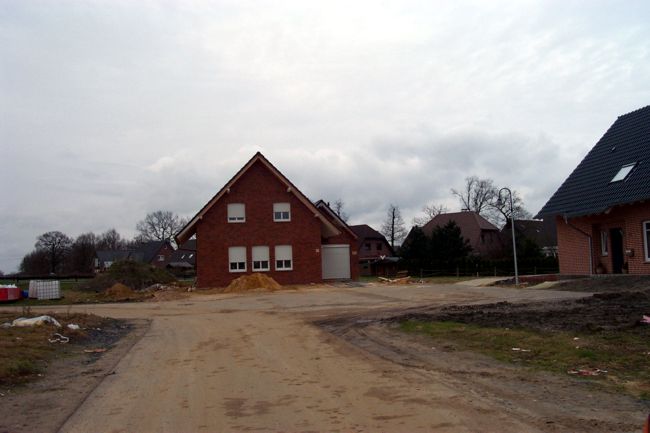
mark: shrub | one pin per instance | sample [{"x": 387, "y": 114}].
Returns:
[{"x": 136, "y": 275}]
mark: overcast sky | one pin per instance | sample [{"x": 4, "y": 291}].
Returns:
[{"x": 109, "y": 110}]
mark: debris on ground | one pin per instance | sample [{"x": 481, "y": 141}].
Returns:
[
  {"x": 73, "y": 326},
  {"x": 252, "y": 282},
  {"x": 35, "y": 321},
  {"x": 58, "y": 338},
  {"x": 646, "y": 320},
  {"x": 98, "y": 350},
  {"x": 588, "y": 372},
  {"x": 519, "y": 349},
  {"x": 402, "y": 280}
]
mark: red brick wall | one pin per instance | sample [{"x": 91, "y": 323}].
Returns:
[
  {"x": 258, "y": 189},
  {"x": 572, "y": 246}
]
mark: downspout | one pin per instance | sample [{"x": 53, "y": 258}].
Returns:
[{"x": 591, "y": 244}]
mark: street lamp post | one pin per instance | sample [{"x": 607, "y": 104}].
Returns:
[{"x": 512, "y": 226}]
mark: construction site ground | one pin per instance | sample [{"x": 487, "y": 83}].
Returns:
[{"x": 321, "y": 358}]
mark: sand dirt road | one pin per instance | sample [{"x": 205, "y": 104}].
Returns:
[{"x": 257, "y": 363}]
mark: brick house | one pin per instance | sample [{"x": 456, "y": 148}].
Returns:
[
  {"x": 156, "y": 253},
  {"x": 376, "y": 257},
  {"x": 260, "y": 222},
  {"x": 602, "y": 210},
  {"x": 483, "y": 236}
]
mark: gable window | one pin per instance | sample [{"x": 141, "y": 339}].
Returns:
[
  {"x": 283, "y": 258},
  {"x": 281, "y": 212},
  {"x": 623, "y": 172},
  {"x": 161, "y": 258},
  {"x": 237, "y": 259},
  {"x": 603, "y": 243},
  {"x": 260, "y": 258},
  {"x": 646, "y": 240},
  {"x": 236, "y": 213},
  {"x": 367, "y": 246}
]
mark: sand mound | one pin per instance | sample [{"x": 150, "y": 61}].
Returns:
[
  {"x": 251, "y": 282},
  {"x": 119, "y": 291}
]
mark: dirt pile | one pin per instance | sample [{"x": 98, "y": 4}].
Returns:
[
  {"x": 252, "y": 282},
  {"x": 119, "y": 292},
  {"x": 601, "y": 311}
]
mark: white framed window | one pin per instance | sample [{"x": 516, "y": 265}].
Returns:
[
  {"x": 283, "y": 258},
  {"x": 604, "y": 248},
  {"x": 646, "y": 240},
  {"x": 281, "y": 212},
  {"x": 261, "y": 258},
  {"x": 237, "y": 259},
  {"x": 161, "y": 258},
  {"x": 236, "y": 213},
  {"x": 623, "y": 172}
]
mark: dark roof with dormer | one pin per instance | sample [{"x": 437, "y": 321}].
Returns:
[{"x": 589, "y": 189}]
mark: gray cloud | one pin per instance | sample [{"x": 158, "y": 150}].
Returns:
[{"x": 109, "y": 110}]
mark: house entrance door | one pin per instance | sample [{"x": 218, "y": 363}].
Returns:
[{"x": 616, "y": 239}]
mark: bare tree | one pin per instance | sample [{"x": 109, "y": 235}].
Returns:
[
  {"x": 82, "y": 253},
  {"x": 160, "y": 225},
  {"x": 337, "y": 207},
  {"x": 35, "y": 263},
  {"x": 110, "y": 240},
  {"x": 57, "y": 245},
  {"x": 393, "y": 227},
  {"x": 430, "y": 212},
  {"x": 477, "y": 194},
  {"x": 500, "y": 209}
]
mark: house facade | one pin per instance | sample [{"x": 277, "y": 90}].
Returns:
[
  {"x": 376, "y": 257},
  {"x": 155, "y": 253},
  {"x": 483, "y": 236},
  {"x": 260, "y": 222},
  {"x": 602, "y": 210}
]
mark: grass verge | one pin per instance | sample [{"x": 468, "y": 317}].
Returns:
[{"x": 623, "y": 354}]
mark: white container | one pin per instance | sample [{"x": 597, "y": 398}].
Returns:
[{"x": 44, "y": 289}]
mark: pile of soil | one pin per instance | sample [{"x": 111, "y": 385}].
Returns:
[
  {"x": 601, "y": 311},
  {"x": 252, "y": 282},
  {"x": 120, "y": 292}
]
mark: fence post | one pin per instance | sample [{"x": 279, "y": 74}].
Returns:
[
  {"x": 421, "y": 273},
  {"x": 534, "y": 270},
  {"x": 495, "y": 271},
  {"x": 457, "y": 272}
]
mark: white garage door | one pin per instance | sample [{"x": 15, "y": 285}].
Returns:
[{"x": 336, "y": 261}]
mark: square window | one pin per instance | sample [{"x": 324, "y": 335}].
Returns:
[
  {"x": 261, "y": 258},
  {"x": 236, "y": 213},
  {"x": 281, "y": 212},
  {"x": 237, "y": 259},
  {"x": 161, "y": 258},
  {"x": 283, "y": 258}
]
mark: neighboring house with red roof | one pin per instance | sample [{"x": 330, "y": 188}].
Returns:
[
  {"x": 260, "y": 222},
  {"x": 376, "y": 257},
  {"x": 602, "y": 210},
  {"x": 183, "y": 260},
  {"x": 482, "y": 235}
]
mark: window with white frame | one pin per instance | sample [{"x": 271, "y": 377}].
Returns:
[
  {"x": 236, "y": 213},
  {"x": 283, "y": 258},
  {"x": 604, "y": 249},
  {"x": 161, "y": 258},
  {"x": 646, "y": 240},
  {"x": 237, "y": 259},
  {"x": 281, "y": 212},
  {"x": 261, "y": 258}
]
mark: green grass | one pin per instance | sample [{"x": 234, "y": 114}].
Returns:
[
  {"x": 69, "y": 290},
  {"x": 624, "y": 354}
]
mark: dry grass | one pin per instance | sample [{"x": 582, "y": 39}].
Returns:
[
  {"x": 624, "y": 354},
  {"x": 25, "y": 352}
]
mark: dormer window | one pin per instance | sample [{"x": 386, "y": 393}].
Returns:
[
  {"x": 623, "y": 172},
  {"x": 236, "y": 213},
  {"x": 281, "y": 212}
]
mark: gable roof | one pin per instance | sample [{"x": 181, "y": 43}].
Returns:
[
  {"x": 324, "y": 207},
  {"x": 465, "y": 220},
  {"x": 542, "y": 232},
  {"x": 190, "y": 228},
  {"x": 364, "y": 231},
  {"x": 148, "y": 250},
  {"x": 589, "y": 188},
  {"x": 112, "y": 255}
]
